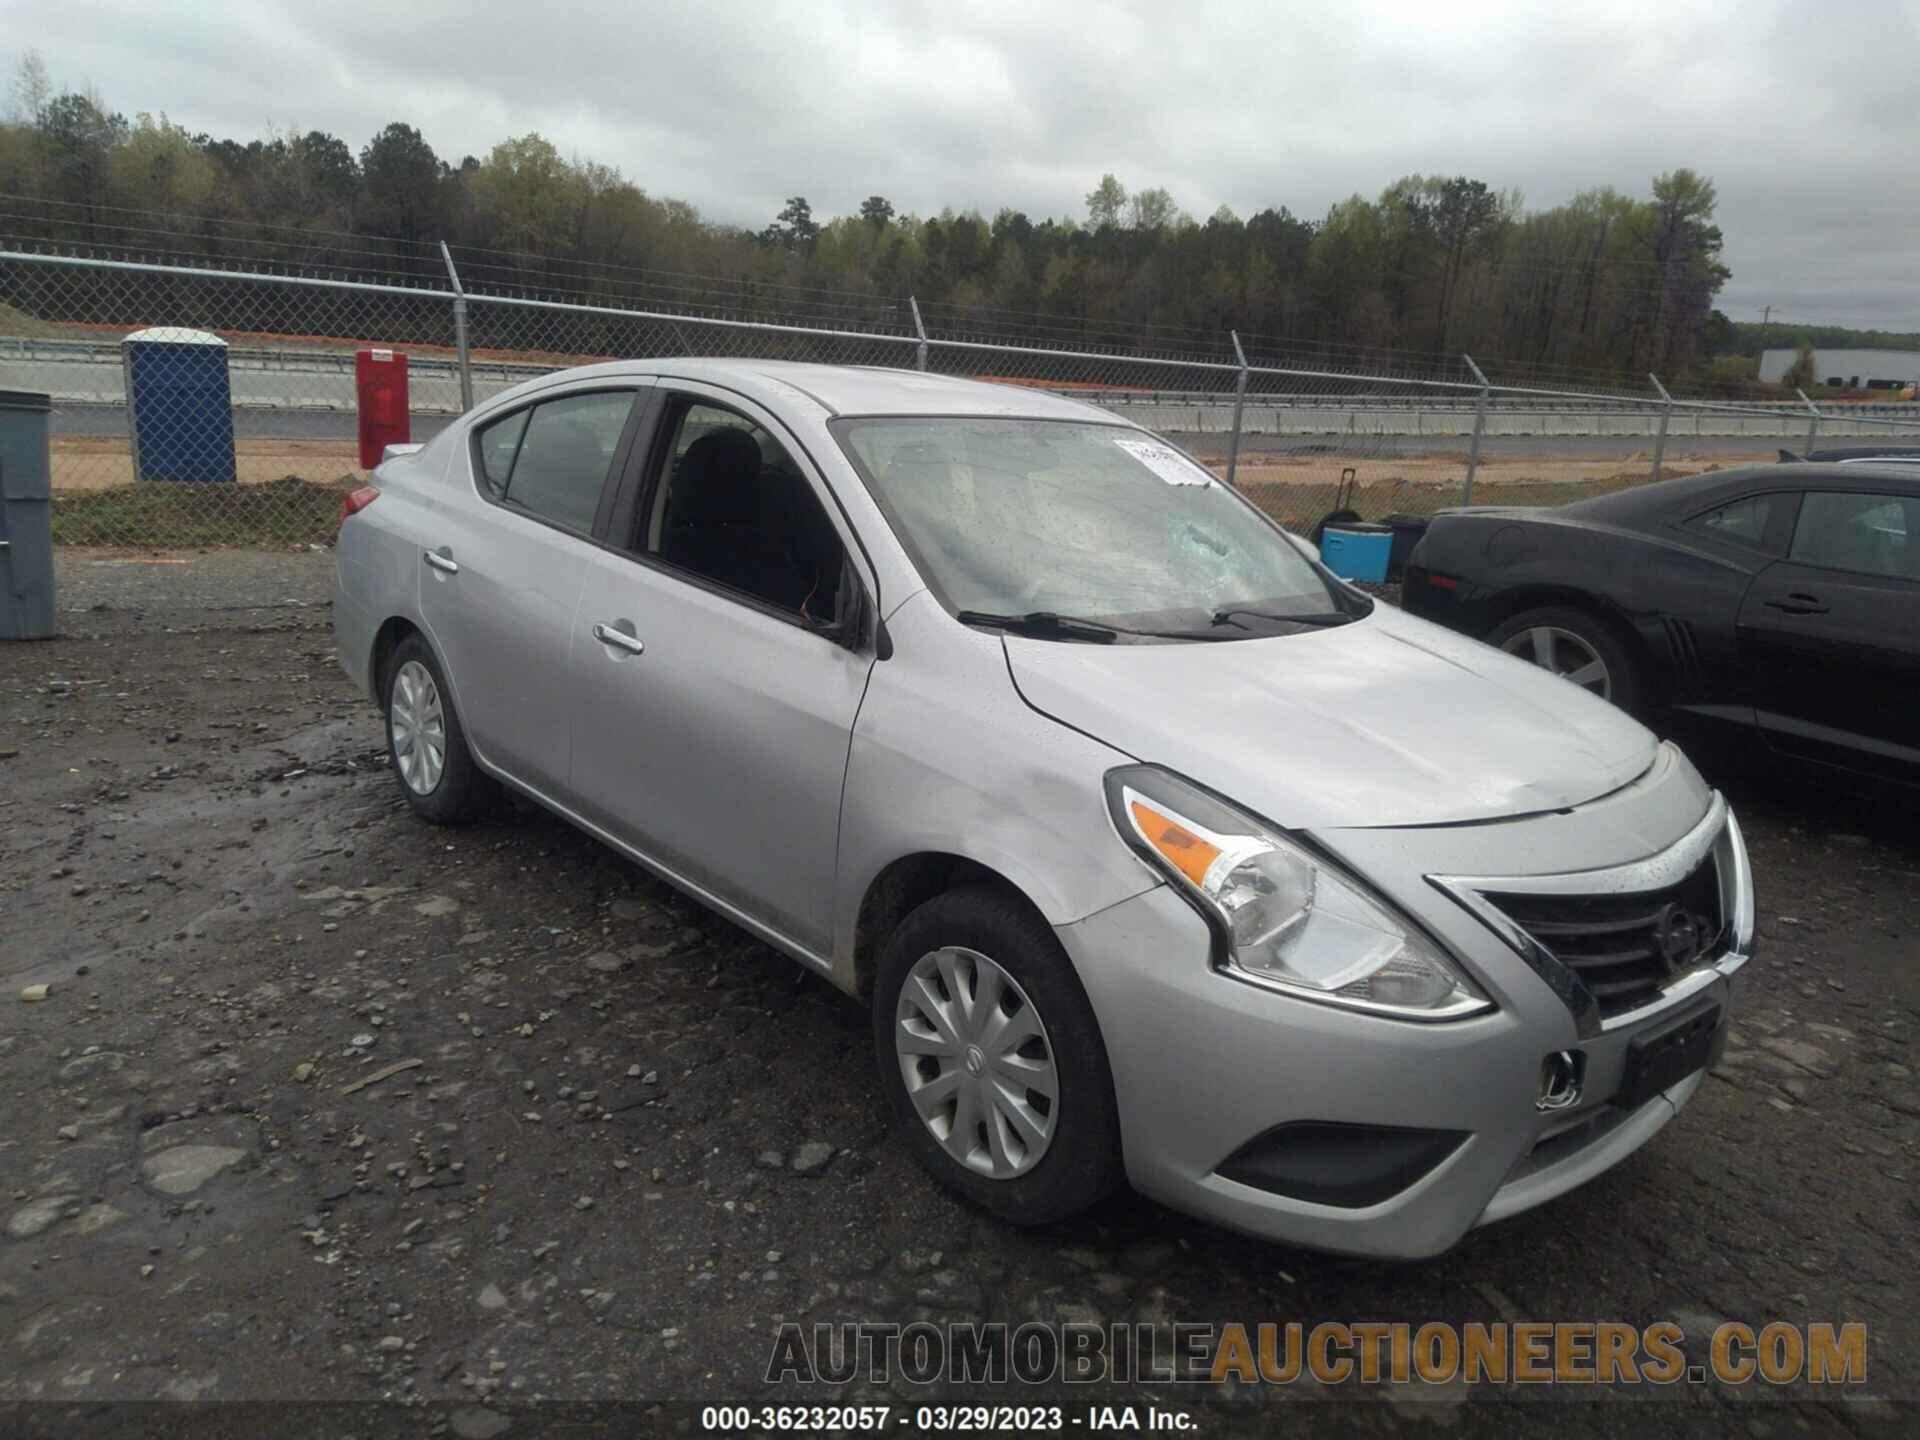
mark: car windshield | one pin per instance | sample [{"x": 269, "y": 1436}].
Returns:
[{"x": 1013, "y": 518}]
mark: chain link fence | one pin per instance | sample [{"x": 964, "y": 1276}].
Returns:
[{"x": 206, "y": 407}]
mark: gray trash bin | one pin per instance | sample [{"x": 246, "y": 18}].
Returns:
[{"x": 26, "y": 517}]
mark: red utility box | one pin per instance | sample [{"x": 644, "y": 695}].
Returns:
[{"x": 380, "y": 391}]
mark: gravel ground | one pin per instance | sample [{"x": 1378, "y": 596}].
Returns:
[
  {"x": 635, "y": 1140},
  {"x": 103, "y": 591}
]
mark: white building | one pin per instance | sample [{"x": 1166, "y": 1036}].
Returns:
[{"x": 1879, "y": 369}]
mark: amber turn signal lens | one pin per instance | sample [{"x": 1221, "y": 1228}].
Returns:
[{"x": 1183, "y": 849}]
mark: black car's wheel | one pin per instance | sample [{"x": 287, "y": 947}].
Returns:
[
  {"x": 992, "y": 1058},
  {"x": 425, "y": 743},
  {"x": 1575, "y": 646}
]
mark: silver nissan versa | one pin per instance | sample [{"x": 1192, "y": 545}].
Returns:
[{"x": 1158, "y": 852}]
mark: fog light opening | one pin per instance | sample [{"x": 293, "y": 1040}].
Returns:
[{"x": 1563, "y": 1075}]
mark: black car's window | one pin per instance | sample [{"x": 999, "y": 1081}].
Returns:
[
  {"x": 1870, "y": 534},
  {"x": 499, "y": 443},
  {"x": 1743, "y": 521},
  {"x": 562, "y": 463},
  {"x": 731, "y": 506}
]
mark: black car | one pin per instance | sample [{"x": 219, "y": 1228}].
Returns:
[
  {"x": 1858, "y": 455},
  {"x": 1781, "y": 601}
]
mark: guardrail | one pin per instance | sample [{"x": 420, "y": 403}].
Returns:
[
  {"x": 89, "y": 372},
  {"x": 1375, "y": 441}
]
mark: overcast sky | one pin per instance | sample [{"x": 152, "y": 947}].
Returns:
[{"x": 1803, "y": 114}]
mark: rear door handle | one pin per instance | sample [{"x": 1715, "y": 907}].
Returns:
[
  {"x": 1798, "y": 603},
  {"x": 441, "y": 561},
  {"x": 619, "y": 639}
]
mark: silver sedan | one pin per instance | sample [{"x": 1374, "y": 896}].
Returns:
[{"x": 1158, "y": 853}]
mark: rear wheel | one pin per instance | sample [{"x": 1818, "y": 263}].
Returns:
[
  {"x": 425, "y": 743},
  {"x": 992, "y": 1058},
  {"x": 1575, "y": 646}
]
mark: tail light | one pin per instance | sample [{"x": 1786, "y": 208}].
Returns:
[{"x": 357, "y": 500}]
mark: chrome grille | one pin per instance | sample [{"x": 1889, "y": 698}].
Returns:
[{"x": 1626, "y": 947}]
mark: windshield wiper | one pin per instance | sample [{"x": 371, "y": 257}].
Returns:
[
  {"x": 1322, "y": 618},
  {"x": 1043, "y": 622},
  {"x": 1047, "y": 624}
]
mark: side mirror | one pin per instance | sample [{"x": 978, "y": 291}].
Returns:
[{"x": 857, "y": 616}]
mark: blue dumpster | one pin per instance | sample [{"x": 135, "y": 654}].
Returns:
[{"x": 179, "y": 404}]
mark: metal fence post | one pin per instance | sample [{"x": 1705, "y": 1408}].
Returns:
[
  {"x": 1666, "y": 414},
  {"x": 920, "y": 350},
  {"x": 1239, "y": 408},
  {"x": 1479, "y": 429},
  {"x": 460, "y": 330},
  {"x": 1813, "y": 425}
]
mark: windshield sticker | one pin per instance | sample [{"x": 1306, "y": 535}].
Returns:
[{"x": 1170, "y": 465}]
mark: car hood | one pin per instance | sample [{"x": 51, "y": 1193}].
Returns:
[{"x": 1387, "y": 721}]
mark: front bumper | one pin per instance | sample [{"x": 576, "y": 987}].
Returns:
[{"x": 1204, "y": 1064}]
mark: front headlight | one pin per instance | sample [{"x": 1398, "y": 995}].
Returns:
[{"x": 1285, "y": 918}]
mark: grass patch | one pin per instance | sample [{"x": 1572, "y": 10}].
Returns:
[
  {"x": 15, "y": 321},
  {"x": 1298, "y": 506},
  {"x": 163, "y": 515}
]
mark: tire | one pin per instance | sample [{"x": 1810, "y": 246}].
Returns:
[
  {"x": 1562, "y": 632},
  {"x": 422, "y": 723},
  {"x": 1079, "y": 1162}
]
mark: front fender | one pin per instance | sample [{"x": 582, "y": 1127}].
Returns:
[{"x": 948, "y": 759}]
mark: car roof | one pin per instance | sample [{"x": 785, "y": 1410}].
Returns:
[
  {"x": 856, "y": 389},
  {"x": 1657, "y": 499},
  {"x": 1860, "y": 454}
]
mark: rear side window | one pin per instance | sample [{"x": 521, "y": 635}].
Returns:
[
  {"x": 1744, "y": 521},
  {"x": 552, "y": 460},
  {"x": 499, "y": 443},
  {"x": 1870, "y": 534}
]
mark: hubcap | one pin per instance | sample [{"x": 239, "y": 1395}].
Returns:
[
  {"x": 419, "y": 726},
  {"x": 977, "y": 1062},
  {"x": 1565, "y": 654}
]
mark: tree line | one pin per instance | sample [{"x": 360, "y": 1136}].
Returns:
[{"x": 1433, "y": 265}]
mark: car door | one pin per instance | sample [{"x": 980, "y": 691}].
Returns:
[
  {"x": 505, "y": 564},
  {"x": 1830, "y": 634},
  {"x": 718, "y": 665},
  {"x": 1699, "y": 592}
]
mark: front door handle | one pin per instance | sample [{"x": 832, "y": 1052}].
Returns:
[
  {"x": 440, "y": 560},
  {"x": 619, "y": 639},
  {"x": 1798, "y": 603}
]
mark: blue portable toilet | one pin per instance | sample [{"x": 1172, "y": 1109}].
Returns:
[{"x": 179, "y": 405}]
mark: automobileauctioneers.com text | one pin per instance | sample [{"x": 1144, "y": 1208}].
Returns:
[{"x": 1580, "y": 1352}]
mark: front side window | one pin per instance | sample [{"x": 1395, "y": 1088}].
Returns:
[
  {"x": 732, "y": 507},
  {"x": 1868, "y": 534},
  {"x": 552, "y": 460},
  {"x": 1099, "y": 522},
  {"x": 1743, "y": 521}
]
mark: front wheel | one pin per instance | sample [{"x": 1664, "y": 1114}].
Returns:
[
  {"x": 993, "y": 1061},
  {"x": 1576, "y": 647}
]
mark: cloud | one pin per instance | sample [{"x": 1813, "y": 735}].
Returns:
[{"x": 1798, "y": 113}]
